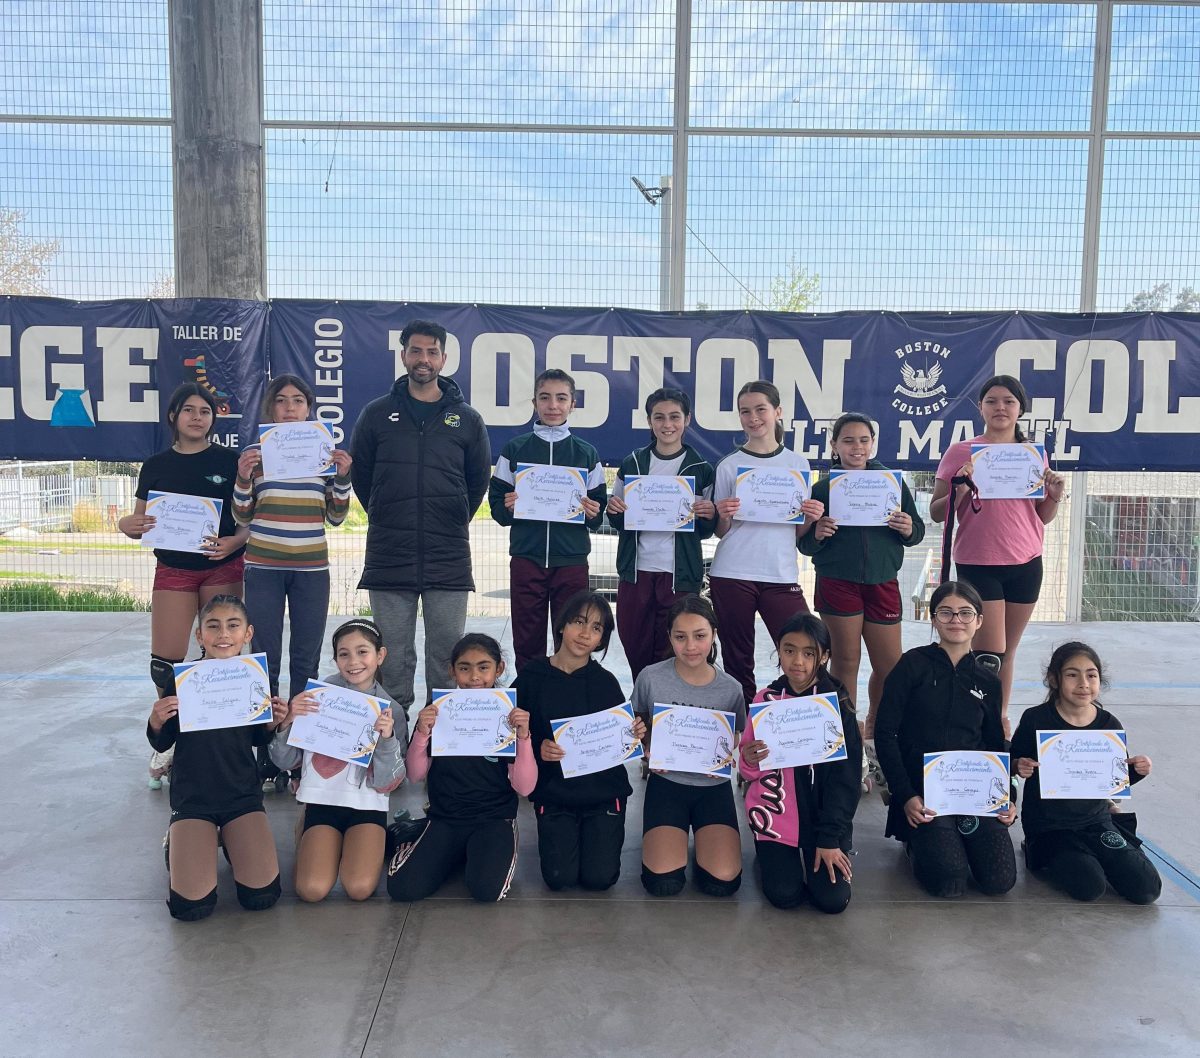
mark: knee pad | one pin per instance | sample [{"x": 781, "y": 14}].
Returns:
[
  {"x": 258, "y": 899},
  {"x": 162, "y": 672},
  {"x": 712, "y": 886},
  {"x": 186, "y": 910},
  {"x": 991, "y": 660},
  {"x": 668, "y": 884}
]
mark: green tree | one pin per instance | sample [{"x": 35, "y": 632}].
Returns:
[
  {"x": 23, "y": 260},
  {"x": 796, "y": 290},
  {"x": 1160, "y": 298}
]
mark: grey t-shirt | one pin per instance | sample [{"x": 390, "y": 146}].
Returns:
[{"x": 661, "y": 683}]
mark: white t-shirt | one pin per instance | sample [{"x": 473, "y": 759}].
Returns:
[
  {"x": 755, "y": 551},
  {"x": 655, "y": 551}
]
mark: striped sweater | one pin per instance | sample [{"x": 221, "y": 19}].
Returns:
[{"x": 287, "y": 519}]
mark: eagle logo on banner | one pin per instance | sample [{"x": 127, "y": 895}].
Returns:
[{"x": 920, "y": 384}]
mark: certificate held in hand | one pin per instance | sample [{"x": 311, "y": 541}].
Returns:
[
  {"x": 343, "y": 726},
  {"x": 474, "y": 723},
  {"x": 659, "y": 503},
  {"x": 182, "y": 523},
  {"x": 1083, "y": 765},
  {"x": 1009, "y": 471},
  {"x": 967, "y": 783},
  {"x": 549, "y": 493},
  {"x": 771, "y": 494},
  {"x": 596, "y": 741},
  {"x": 864, "y": 497},
  {"x": 223, "y": 692},
  {"x": 686, "y": 738},
  {"x": 293, "y": 450},
  {"x": 800, "y": 731}
]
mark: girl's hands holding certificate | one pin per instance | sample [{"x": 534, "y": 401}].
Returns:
[
  {"x": 1024, "y": 766},
  {"x": 304, "y": 704},
  {"x": 703, "y": 508},
  {"x": 163, "y": 710},
  {"x": 754, "y": 752},
  {"x": 1009, "y": 816},
  {"x": 551, "y": 750},
  {"x": 729, "y": 507},
  {"x": 1054, "y": 484},
  {"x": 916, "y": 813},
  {"x": 825, "y": 528},
  {"x": 218, "y": 548},
  {"x": 427, "y": 717},
  {"x": 518, "y": 719},
  {"x": 832, "y": 860},
  {"x": 341, "y": 463},
  {"x": 591, "y": 507},
  {"x": 1141, "y": 765},
  {"x": 248, "y": 462},
  {"x": 812, "y": 509},
  {"x": 901, "y": 523},
  {"x": 386, "y": 724},
  {"x": 616, "y": 505},
  {"x": 279, "y": 712}
]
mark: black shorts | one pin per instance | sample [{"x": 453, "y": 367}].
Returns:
[
  {"x": 1019, "y": 584},
  {"x": 217, "y": 819},
  {"x": 341, "y": 818},
  {"x": 672, "y": 804}
]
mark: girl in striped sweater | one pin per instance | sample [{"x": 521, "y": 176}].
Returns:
[{"x": 287, "y": 558}]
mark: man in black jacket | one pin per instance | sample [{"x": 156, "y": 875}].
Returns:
[{"x": 422, "y": 460}]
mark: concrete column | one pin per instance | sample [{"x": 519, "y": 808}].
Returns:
[{"x": 216, "y": 100}]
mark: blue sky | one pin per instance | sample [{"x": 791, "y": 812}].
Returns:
[{"x": 552, "y": 218}]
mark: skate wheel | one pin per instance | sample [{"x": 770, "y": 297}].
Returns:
[
  {"x": 153, "y": 783},
  {"x": 281, "y": 781}
]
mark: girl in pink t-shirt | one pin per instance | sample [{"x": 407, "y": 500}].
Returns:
[{"x": 998, "y": 549}]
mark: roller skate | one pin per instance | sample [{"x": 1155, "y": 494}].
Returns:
[
  {"x": 160, "y": 768},
  {"x": 873, "y": 773}
]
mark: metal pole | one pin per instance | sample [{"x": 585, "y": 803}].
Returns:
[
  {"x": 664, "y": 244},
  {"x": 679, "y": 150}
]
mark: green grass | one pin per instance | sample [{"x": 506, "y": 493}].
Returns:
[
  {"x": 22, "y": 596},
  {"x": 13, "y": 574}
]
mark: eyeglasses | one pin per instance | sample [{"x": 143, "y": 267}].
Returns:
[{"x": 946, "y": 615}]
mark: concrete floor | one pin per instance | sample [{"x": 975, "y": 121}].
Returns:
[{"x": 91, "y": 964}]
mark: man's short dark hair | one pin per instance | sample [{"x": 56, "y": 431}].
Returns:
[{"x": 426, "y": 328}]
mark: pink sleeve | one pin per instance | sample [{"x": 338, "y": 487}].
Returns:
[
  {"x": 416, "y": 760},
  {"x": 523, "y": 773},
  {"x": 956, "y": 455}
]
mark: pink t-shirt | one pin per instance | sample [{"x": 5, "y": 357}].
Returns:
[{"x": 1003, "y": 533}]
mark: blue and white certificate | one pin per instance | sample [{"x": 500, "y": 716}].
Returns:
[
  {"x": 182, "y": 523},
  {"x": 549, "y": 494},
  {"x": 474, "y": 723},
  {"x": 1083, "y": 765},
  {"x": 223, "y": 692},
  {"x": 596, "y": 741},
  {"x": 686, "y": 738},
  {"x": 771, "y": 494},
  {"x": 864, "y": 497},
  {"x": 800, "y": 731},
  {"x": 296, "y": 450},
  {"x": 1009, "y": 471},
  {"x": 963, "y": 782},
  {"x": 660, "y": 503},
  {"x": 343, "y": 726}
]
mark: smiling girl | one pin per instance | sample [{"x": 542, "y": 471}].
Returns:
[{"x": 581, "y": 820}]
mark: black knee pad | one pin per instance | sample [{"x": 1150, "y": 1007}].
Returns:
[
  {"x": 669, "y": 884},
  {"x": 191, "y": 910},
  {"x": 712, "y": 886},
  {"x": 162, "y": 672},
  {"x": 258, "y": 899},
  {"x": 991, "y": 660}
]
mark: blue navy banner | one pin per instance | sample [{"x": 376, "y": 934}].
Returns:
[{"x": 1117, "y": 392}]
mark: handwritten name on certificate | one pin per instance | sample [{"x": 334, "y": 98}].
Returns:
[
  {"x": 964, "y": 782},
  {"x": 685, "y": 738},
  {"x": 1083, "y": 765},
  {"x": 296, "y": 450},
  {"x": 549, "y": 494},
  {"x": 597, "y": 741},
  {"x": 864, "y": 497},
  {"x": 658, "y": 503},
  {"x": 223, "y": 692},
  {"x": 474, "y": 723},
  {"x": 1009, "y": 471},
  {"x": 181, "y": 522},
  {"x": 800, "y": 731},
  {"x": 343, "y": 726},
  {"x": 771, "y": 494}
]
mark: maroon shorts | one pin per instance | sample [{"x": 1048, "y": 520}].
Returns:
[
  {"x": 168, "y": 578},
  {"x": 878, "y": 603}
]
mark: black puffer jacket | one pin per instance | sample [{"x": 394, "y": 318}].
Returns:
[{"x": 420, "y": 486}]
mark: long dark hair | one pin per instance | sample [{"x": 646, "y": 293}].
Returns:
[
  {"x": 368, "y": 629},
  {"x": 578, "y": 606},
  {"x": 1013, "y": 385},
  {"x": 181, "y": 395},
  {"x": 477, "y": 641},
  {"x": 840, "y": 423},
  {"x": 807, "y": 624},
  {"x": 964, "y": 589},
  {"x": 275, "y": 387},
  {"x": 701, "y": 607},
  {"x": 771, "y": 392},
  {"x": 1058, "y": 661}
]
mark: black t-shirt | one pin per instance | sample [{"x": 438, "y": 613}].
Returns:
[
  {"x": 210, "y": 473},
  {"x": 214, "y": 771},
  {"x": 421, "y": 410},
  {"x": 465, "y": 789}
]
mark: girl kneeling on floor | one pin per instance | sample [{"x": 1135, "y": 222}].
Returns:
[
  {"x": 677, "y": 802},
  {"x": 345, "y": 806},
  {"x": 1082, "y": 846},
  {"x": 940, "y": 697},
  {"x": 472, "y": 800},
  {"x": 215, "y": 790},
  {"x": 802, "y": 818}
]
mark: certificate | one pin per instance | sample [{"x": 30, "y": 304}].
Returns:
[
  {"x": 1009, "y": 471},
  {"x": 963, "y": 782},
  {"x": 474, "y": 723},
  {"x": 223, "y": 692},
  {"x": 685, "y": 738},
  {"x": 597, "y": 741},
  {"x": 800, "y": 731},
  {"x": 343, "y": 726},
  {"x": 1083, "y": 765},
  {"x": 771, "y": 494},
  {"x": 181, "y": 522},
  {"x": 296, "y": 450},
  {"x": 549, "y": 493},
  {"x": 864, "y": 497},
  {"x": 658, "y": 503}
]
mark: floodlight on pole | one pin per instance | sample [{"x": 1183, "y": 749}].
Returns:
[{"x": 661, "y": 196}]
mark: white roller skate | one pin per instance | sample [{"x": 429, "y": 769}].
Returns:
[{"x": 160, "y": 768}]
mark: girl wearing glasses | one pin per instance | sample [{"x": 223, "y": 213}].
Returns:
[{"x": 940, "y": 697}]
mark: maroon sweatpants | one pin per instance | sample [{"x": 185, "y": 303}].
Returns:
[
  {"x": 736, "y": 602},
  {"x": 642, "y": 618},
  {"x": 536, "y": 594}
]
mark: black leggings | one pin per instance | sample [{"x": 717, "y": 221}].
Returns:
[
  {"x": 788, "y": 880},
  {"x": 947, "y": 849},
  {"x": 1084, "y": 862},
  {"x": 581, "y": 846},
  {"x": 488, "y": 849}
]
